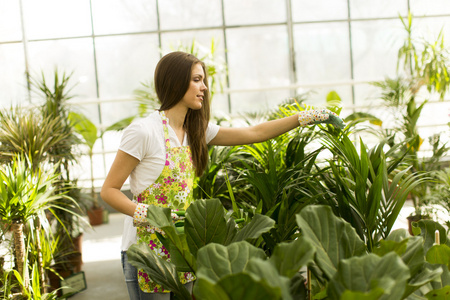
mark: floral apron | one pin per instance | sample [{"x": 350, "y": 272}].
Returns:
[{"x": 173, "y": 189}]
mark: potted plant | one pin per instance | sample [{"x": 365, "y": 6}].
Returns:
[
  {"x": 428, "y": 70},
  {"x": 25, "y": 196},
  {"x": 339, "y": 262}
]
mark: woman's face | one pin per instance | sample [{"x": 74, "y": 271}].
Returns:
[{"x": 195, "y": 94}]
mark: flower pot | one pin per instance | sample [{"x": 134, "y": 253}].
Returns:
[
  {"x": 55, "y": 281},
  {"x": 77, "y": 259},
  {"x": 96, "y": 216}
]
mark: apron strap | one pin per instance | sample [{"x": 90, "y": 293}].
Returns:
[{"x": 165, "y": 121}]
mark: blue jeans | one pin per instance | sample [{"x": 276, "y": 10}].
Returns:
[{"x": 134, "y": 291}]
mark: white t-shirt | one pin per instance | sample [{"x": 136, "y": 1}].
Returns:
[{"x": 144, "y": 139}]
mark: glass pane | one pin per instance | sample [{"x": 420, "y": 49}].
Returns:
[
  {"x": 56, "y": 18},
  {"x": 261, "y": 101},
  {"x": 322, "y": 52},
  {"x": 319, "y": 10},
  {"x": 206, "y": 43},
  {"x": 375, "y": 48},
  {"x": 119, "y": 16},
  {"x": 258, "y": 57},
  {"x": 219, "y": 106},
  {"x": 239, "y": 12},
  {"x": 428, "y": 29},
  {"x": 10, "y": 27},
  {"x": 90, "y": 110},
  {"x": 116, "y": 111},
  {"x": 203, "y": 40},
  {"x": 317, "y": 96},
  {"x": 13, "y": 84},
  {"x": 427, "y": 7},
  {"x": 74, "y": 55},
  {"x": 124, "y": 62},
  {"x": 179, "y": 14},
  {"x": 366, "y": 94},
  {"x": 362, "y": 9}
]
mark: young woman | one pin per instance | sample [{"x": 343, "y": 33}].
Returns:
[{"x": 164, "y": 152}]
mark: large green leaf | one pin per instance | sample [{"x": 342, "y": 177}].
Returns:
[
  {"x": 205, "y": 223},
  {"x": 298, "y": 287},
  {"x": 82, "y": 125},
  {"x": 411, "y": 252},
  {"x": 427, "y": 229},
  {"x": 257, "y": 226},
  {"x": 370, "y": 272},
  {"x": 264, "y": 271},
  {"x": 240, "y": 271},
  {"x": 235, "y": 286},
  {"x": 439, "y": 254},
  {"x": 374, "y": 294},
  {"x": 333, "y": 238},
  {"x": 215, "y": 261},
  {"x": 160, "y": 217},
  {"x": 414, "y": 258},
  {"x": 440, "y": 294},
  {"x": 161, "y": 271},
  {"x": 444, "y": 278},
  {"x": 288, "y": 258}
]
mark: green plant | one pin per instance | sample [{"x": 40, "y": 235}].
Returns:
[
  {"x": 25, "y": 132},
  {"x": 25, "y": 196},
  {"x": 367, "y": 188},
  {"x": 428, "y": 69},
  {"x": 439, "y": 195},
  {"x": 205, "y": 223},
  {"x": 401, "y": 267}
]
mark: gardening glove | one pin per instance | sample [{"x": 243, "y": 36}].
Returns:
[
  {"x": 140, "y": 215},
  {"x": 317, "y": 116}
]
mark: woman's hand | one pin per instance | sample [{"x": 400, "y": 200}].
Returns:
[{"x": 317, "y": 116}]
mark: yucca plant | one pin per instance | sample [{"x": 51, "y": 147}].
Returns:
[
  {"x": 25, "y": 196},
  {"x": 25, "y": 132}
]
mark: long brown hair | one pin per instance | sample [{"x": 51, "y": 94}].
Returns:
[{"x": 172, "y": 79}]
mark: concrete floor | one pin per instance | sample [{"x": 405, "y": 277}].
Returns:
[{"x": 101, "y": 262}]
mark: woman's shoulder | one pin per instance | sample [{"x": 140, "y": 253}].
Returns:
[{"x": 148, "y": 125}]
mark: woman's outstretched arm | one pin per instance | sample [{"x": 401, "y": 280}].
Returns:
[{"x": 254, "y": 134}]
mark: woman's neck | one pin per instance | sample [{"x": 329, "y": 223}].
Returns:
[{"x": 176, "y": 116}]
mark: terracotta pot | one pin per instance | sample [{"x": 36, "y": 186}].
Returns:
[
  {"x": 77, "y": 259},
  {"x": 95, "y": 216},
  {"x": 55, "y": 282}
]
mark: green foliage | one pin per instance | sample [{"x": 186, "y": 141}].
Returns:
[
  {"x": 25, "y": 193},
  {"x": 205, "y": 223},
  {"x": 368, "y": 191},
  {"x": 328, "y": 246},
  {"x": 371, "y": 274},
  {"x": 25, "y": 132},
  {"x": 428, "y": 69},
  {"x": 333, "y": 238}
]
